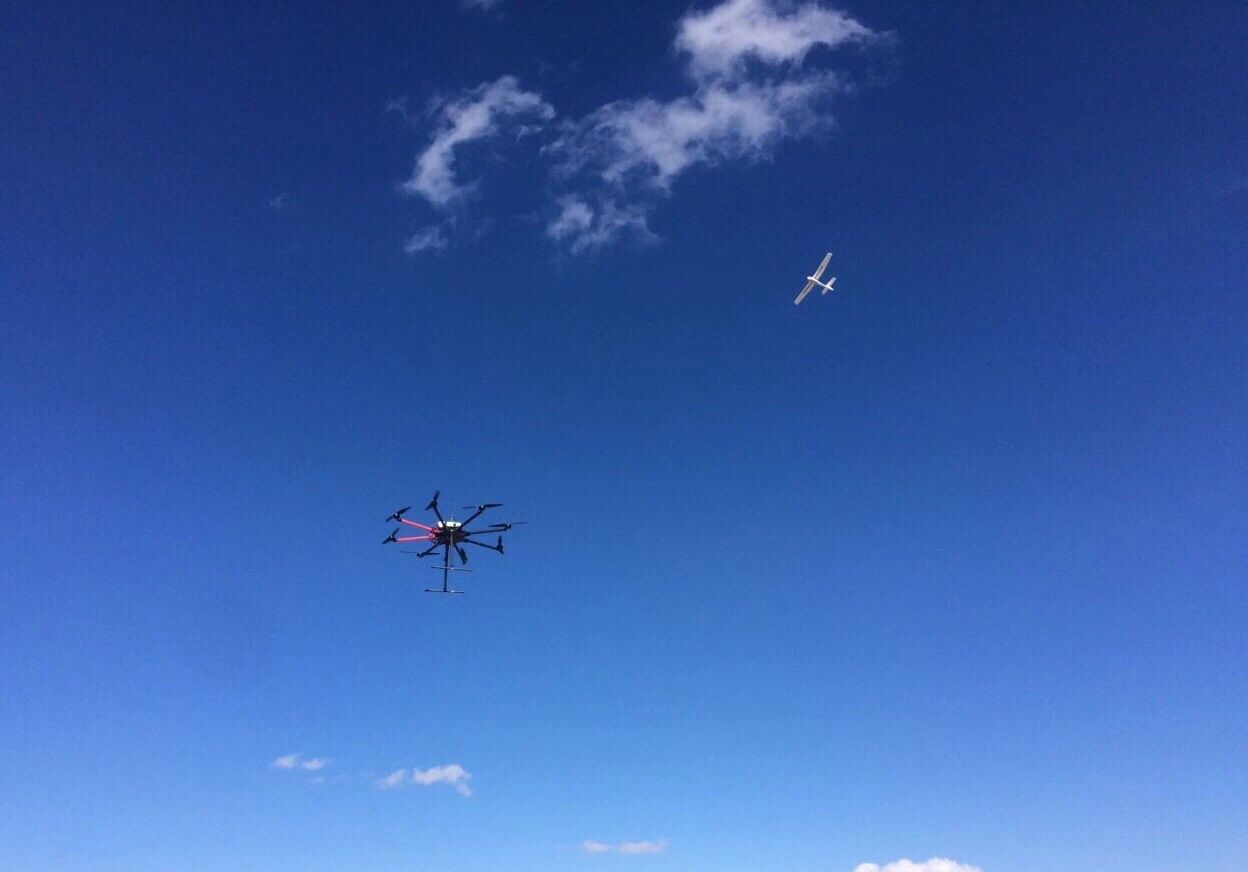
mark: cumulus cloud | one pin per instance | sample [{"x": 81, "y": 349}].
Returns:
[
  {"x": 451, "y": 774},
  {"x": 475, "y": 115},
  {"x": 296, "y": 761},
  {"x": 589, "y": 846},
  {"x": 936, "y": 864}
]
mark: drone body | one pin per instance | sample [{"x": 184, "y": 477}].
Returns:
[{"x": 449, "y": 536}]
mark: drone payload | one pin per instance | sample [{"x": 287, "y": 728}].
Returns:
[{"x": 449, "y": 536}]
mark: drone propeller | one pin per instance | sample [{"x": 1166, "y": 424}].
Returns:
[
  {"x": 433, "y": 502},
  {"x": 500, "y": 545},
  {"x": 390, "y": 538},
  {"x": 504, "y": 525},
  {"x": 398, "y": 516},
  {"x": 483, "y": 506}
]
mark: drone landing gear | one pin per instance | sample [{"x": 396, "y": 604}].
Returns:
[{"x": 445, "y": 584}]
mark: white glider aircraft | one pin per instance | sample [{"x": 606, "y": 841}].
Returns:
[{"x": 812, "y": 281}]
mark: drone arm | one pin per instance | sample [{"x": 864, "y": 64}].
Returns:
[
  {"x": 478, "y": 513},
  {"x": 413, "y": 538},
  {"x": 414, "y": 524},
  {"x": 433, "y": 505},
  {"x": 479, "y": 544}
]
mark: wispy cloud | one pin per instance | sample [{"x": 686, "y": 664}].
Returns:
[
  {"x": 586, "y": 227},
  {"x": 750, "y": 84},
  {"x": 936, "y": 864},
  {"x": 722, "y": 39},
  {"x": 479, "y": 4},
  {"x": 432, "y": 238},
  {"x": 748, "y": 93},
  {"x": 397, "y": 778},
  {"x": 451, "y": 774},
  {"x": 297, "y": 761},
  {"x": 279, "y": 202},
  {"x": 475, "y": 115},
  {"x": 589, "y": 846},
  {"x": 643, "y": 847}
]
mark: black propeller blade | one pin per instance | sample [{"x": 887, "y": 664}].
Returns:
[
  {"x": 390, "y": 538},
  {"x": 484, "y": 506},
  {"x": 500, "y": 544},
  {"x": 505, "y": 525},
  {"x": 398, "y": 516},
  {"x": 433, "y": 502}
]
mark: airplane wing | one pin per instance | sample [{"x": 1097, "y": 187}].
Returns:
[
  {"x": 819, "y": 272},
  {"x": 806, "y": 290}
]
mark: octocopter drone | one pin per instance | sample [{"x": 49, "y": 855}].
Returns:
[{"x": 450, "y": 536}]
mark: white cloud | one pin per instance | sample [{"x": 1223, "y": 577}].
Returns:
[
  {"x": 936, "y": 864},
  {"x": 651, "y": 143},
  {"x": 630, "y": 152},
  {"x": 589, "y": 846},
  {"x": 391, "y": 781},
  {"x": 475, "y": 115},
  {"x": 749, "y": 90},
  {"x": 432, "y": 238},
  {"x": 643, "y": 847},
  {"x": 279, "y": 202},
  {"x": 720, "y": 40},
  {"x": 479, "y": 4},
  {"x": 452, "y": 774},
  {"x": 296, "y": 761},
  {"x": 584, "y": 227}
]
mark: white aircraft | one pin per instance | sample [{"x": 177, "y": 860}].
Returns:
[{"x": 811, "y": 281}]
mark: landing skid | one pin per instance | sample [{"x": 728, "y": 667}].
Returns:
[{"x": 444, "y": 570}]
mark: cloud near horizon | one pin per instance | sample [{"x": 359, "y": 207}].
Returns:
[
  {"x": 296, "y": 761},
  {"x": 748, "y": 91},
  {"x": 590, "y": 846},
  {"x": 936, "y": 864}
]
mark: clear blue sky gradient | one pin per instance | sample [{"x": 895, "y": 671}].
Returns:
[{"x": 951, "y": 562}]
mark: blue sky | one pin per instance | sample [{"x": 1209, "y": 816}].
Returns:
[{"x": 947, "y": 564}]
